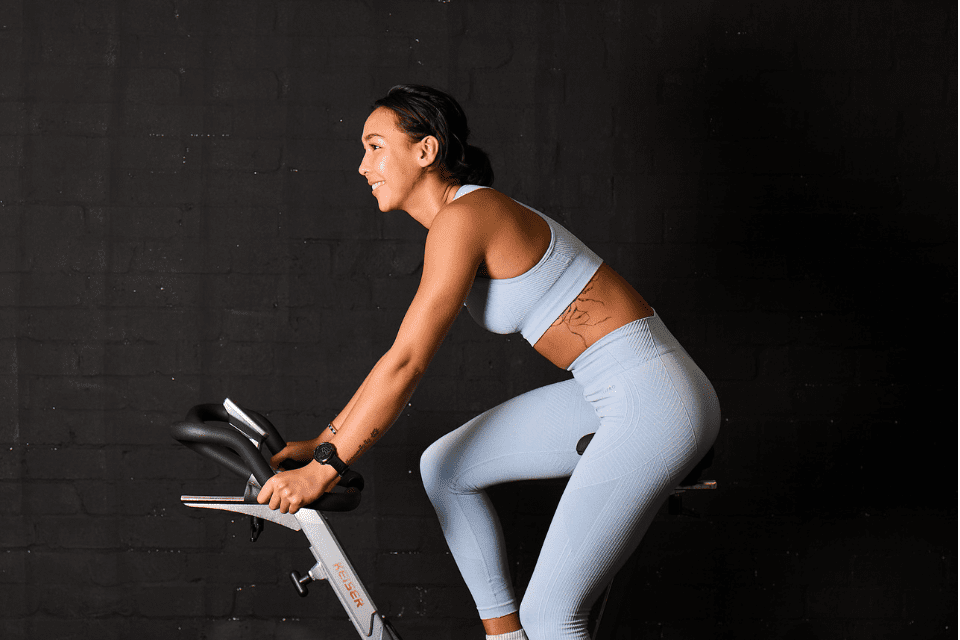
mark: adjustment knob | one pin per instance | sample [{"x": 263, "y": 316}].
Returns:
[{"x": 300, "y": 582}]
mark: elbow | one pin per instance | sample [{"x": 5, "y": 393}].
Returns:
[
  {"x": 412, "y": 372},
  {"x": 405, "y": 367}
]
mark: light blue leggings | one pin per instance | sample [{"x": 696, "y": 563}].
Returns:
[{"x": 655, "y": 415}]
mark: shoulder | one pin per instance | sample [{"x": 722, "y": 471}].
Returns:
[
  {"x": 465, "y": 218},
  {"x": 476, "y": 212}
]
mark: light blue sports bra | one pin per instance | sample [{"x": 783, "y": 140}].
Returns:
[{"x": 530, "y": 302}]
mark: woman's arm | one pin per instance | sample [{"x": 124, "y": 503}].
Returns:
[
  {"x": 302, "y": 450},
  {"x": 454, "y": 248}
]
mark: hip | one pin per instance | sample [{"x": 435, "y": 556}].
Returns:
[{"x": 643, "y": 365}]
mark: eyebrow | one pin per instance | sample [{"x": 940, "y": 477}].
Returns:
[{"x": 371, "y": 135}]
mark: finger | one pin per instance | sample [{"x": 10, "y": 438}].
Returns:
[
  {"x": 279, "y": 457},
  {"x": 290, "y": 503},
  {"x": 264, "y": 496},
  {"x": 295, "y": 502},
  {"x": 286, "y": 499}
]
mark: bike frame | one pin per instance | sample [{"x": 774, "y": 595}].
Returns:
[{"x": 332, "y": 564}]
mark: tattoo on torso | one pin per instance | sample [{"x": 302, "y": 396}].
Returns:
[{"x": 584, "y": 312}]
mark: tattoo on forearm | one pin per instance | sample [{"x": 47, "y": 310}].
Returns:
[
  {"x": 583, "y": 313},
  {"x": 369, "y": 441}
]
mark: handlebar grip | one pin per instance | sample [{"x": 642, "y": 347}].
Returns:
[
  {"x": 233, "y": 450},
  {"x": 219, "y": 443},
  {"x": 351, "y": 480},
  {"x": 346, "y": 501},
  {"x": 211, "y": 411},
  {"x": 222, "y": 456}
]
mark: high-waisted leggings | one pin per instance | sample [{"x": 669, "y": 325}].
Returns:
[{"x": 655, "y": 415}]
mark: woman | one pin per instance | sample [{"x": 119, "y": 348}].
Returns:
[{"x": 653, "y": 411}]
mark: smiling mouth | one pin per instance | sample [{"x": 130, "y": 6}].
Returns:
[{"x": 376, "y": 185}]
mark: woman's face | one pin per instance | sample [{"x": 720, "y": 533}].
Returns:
[{"x": 390, "y": 160}]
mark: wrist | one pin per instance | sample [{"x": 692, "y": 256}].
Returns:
[
  {"x": 326, "y": 435},
  {"x": 322, "y": 473}
]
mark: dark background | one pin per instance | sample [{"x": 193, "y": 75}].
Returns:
[{"x": 181, "y": 220}]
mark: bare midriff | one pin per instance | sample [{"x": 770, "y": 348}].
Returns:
[{"x": 606, "y": 303}]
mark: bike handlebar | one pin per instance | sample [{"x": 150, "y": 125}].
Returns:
[{"x": 231, "y": 448}]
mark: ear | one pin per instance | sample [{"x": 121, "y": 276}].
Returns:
[{"x": 427, "y": 150}]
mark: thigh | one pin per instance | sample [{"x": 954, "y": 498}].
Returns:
[
  {"x": 532, "y": 436},
  {"x": 645, "y": 443}
]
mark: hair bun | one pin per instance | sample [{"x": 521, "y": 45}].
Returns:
[{"x": 477, "y": 167}]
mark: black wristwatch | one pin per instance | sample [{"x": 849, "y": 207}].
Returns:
[{"x": 326, "y": 453}]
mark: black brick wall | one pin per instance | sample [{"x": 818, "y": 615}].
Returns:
[{"x": 180, "y": 220}]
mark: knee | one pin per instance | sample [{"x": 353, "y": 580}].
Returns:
[
  {"x": 550, "y": 616},
  {"x": 531, "y": 617},
  {"x": 433, "y": 466}
]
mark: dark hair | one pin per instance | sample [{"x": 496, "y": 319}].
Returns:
[{"x": 425, "y": 111}]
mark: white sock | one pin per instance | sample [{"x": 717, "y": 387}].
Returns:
[{"x": 513, "y": 635}]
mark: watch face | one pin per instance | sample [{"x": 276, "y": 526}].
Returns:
[{"x": 324, "y": 451}]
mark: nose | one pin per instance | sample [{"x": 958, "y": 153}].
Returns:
[{"x": 362, "y": 168}]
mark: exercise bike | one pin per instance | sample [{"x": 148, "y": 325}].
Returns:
[{"x": 239, "y": 445}]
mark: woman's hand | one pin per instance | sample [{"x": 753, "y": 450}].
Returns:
[
  {"x": 288, "y": 491},
  {"x": 300, "y": 450}
]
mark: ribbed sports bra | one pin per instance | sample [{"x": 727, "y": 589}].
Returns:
[{"x": 530, "y": 302}]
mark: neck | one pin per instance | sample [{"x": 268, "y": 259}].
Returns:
[{"x": 429, "y": 196}]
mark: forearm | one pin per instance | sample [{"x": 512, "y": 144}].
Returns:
[
  {"x": 341, "y": 417},
  {"x": 375, "y": 407},
  {"x": 326, "y": 434}
]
